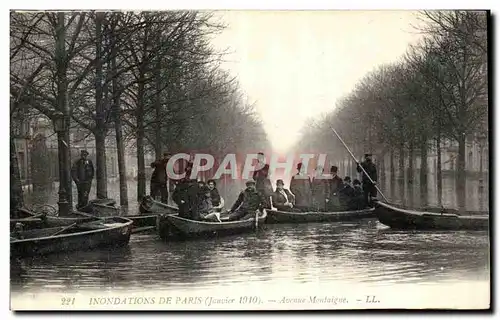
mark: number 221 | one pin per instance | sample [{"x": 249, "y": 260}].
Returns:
[{"x": 67, "y": 301}]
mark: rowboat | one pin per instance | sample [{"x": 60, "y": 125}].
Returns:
[
  {"x": 102, "y": 208},
  {"x": 175, "y": 226},
  {"x": 429, "y": 219},
  {"x": 113, "y": 231},
  {"x": 276, "y": 216}
]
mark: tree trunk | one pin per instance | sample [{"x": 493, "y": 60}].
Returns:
[
  {"x": 100, "y": 131},
  {"x": 401, "y": 162},
  {"x": 120, "y": 147},
  {"x": 158, "y": 124},
  {"x": 411, "y": 163},
  {"x": 392, "y": 173},
  {"x": 461, "y": 178},
  {"x": 65, "y": 186},
  {"x": 141, "y": 168},
  {"x": 423, "y": 173},
  {"x": 16, "y": 189},
  {"x": 439, "y": 169}
]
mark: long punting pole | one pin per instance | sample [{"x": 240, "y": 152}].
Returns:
[{"x": 366, "y": 173}]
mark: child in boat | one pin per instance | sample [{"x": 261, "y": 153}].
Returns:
[{"x": 247, "y": 203}]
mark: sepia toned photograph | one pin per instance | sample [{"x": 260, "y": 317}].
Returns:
[{"x": 249, "y": 160}]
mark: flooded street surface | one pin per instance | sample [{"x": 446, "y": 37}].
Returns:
[
  {"x": 362, "y": 252},
  {"x": 349, "y": 253}
]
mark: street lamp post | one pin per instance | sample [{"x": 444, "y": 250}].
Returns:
[{"x": 59, "y": 122}]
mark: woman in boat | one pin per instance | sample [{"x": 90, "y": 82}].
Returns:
[
  {"x": 217, "y": 200},
  {"x": 205, "y": 210},
  {"x": 335, "y": 184},
  {"x": 262, "y": 181},
  {"x": 358, "y": 201},
  {"x": 320, "y": 190},
  {"x": 300, "y": 186},
  {"x": 283, "y": 199},
  {"x": 346, "y": 194},
  {"x": 247, "y": 203}
]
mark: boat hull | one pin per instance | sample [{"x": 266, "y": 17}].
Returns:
[
  {"x": 274, "y": 217},
  {"x": 398, "y": 218},
  {"x": 114, "y": 231},
  {"x": 175, "y": 227}
]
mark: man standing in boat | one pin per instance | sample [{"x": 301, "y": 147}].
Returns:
[
  {"x": 159, "y": 178},
  {"x": 320, "y": 190},
  {"x": 262, "y": 181},
  {"x": 369, "y": 189},
  {"x": 300, "y": 186},
  {"x": 82, "y": 173}
]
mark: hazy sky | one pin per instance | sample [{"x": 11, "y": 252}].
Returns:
[{"x": 297, "y": 64}]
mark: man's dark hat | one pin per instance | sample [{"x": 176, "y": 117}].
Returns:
[
  {"x": 368, "y": 155},
  {"x": 279, "y": 181},
  {"x": 347, "y": 178},
  {"x": 84, "y": 152},
  {"x": 334, "y": 169},
  {"x": 250, "y": 182}
]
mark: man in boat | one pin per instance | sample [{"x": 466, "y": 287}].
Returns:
[
  {"x": 358, "y": 200},
  {"x": 369, "y": 189},
  {"x": 335, "y": 183},
  {"x": 346, "y": 194},
  {"x": 82, "y": 173},
  {"x": 300, "y": 186},
  {"x": 283, "y": 199},
  {"x": 262, "y": 181},
  {"x": 159, "y": 178},
  {"x": 247, "y": 203},
  {"x": 186, "y": 195},
  {"x": 217, "y": 200},
  {"x": 320, "y": 190}
]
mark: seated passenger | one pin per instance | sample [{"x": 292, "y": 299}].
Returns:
[
  {"x": 247, "y": 203},
  {"x": 217, "y": 200},
  {"x": 283, "y": 199}
]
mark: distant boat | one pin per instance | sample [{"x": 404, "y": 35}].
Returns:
[
  {"x": 113, "y": 231},
  {"x": 276, "y": 216},
  {"x": 430, "y": 219}
]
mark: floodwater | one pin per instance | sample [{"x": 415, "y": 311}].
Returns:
[
  {"x": 361, "y": 252},
  {"x": 364, "y": 252}
]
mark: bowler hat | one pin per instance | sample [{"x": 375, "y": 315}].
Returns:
[
  {"x": 84, "y": 152},
  {"x": 279, "y": 181},
  {"x": 368, "y": 155}
]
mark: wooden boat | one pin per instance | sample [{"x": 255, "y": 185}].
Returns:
[
  {"x": 175, "y": 226},
  {"x": 399, "y": 218},
  {"x": 102, "y": 208},
  {"x": 276, "y": 216},
  {"x": 112, "y": 231}
]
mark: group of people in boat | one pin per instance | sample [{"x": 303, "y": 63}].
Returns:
[{"x": 198, "y": 200}]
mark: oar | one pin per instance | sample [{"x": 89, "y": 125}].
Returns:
[
  {"x": 364, "y": 171},
  {"x": 64, "y": 229}
]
